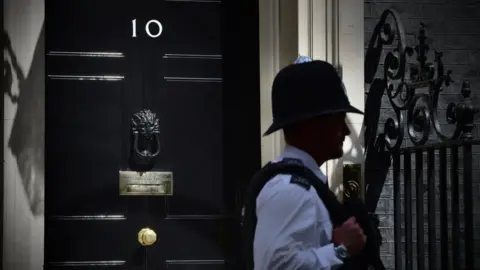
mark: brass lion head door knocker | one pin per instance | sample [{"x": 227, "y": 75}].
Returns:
[{"x": 146, "y": 139}]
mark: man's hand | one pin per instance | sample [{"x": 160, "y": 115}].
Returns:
[{"x": 351, "y": 235}]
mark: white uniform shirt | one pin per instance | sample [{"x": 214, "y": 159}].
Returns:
[{"x": 294, "y": 230}]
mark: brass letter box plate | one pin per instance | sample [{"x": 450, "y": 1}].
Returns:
[{"x": 146, "y": 183}]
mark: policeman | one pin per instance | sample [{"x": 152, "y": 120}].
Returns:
[{"x": 294, "y": 229}]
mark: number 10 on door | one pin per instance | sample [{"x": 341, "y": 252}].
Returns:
[{"x": 148, "y": 30}]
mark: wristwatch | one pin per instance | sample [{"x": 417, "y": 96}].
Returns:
[{"x": 341, "y": 252}]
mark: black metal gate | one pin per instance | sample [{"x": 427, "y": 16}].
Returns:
[{"x": 428, "y": 156}]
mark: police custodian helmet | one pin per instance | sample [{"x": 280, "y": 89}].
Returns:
[{"x": 306, "y": 89}]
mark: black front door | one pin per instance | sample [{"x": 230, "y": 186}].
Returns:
[{"x": 135, "y": 88}]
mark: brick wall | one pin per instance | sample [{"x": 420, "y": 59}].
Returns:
[{"x": 453, "y": 27}]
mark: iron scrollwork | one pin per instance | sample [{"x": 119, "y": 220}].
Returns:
[
  {"x": 146, "y": 136},
  {"x": 402, "y": 82}
]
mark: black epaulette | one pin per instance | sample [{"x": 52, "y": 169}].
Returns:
[
  {"x": 292, "y": 161},
  {"x": 300, "y": 181}
]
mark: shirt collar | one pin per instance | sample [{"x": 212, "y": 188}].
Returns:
[{"x": 293, "y": 152}]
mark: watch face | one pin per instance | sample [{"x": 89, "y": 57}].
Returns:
[{"x": 341, "y": 251}]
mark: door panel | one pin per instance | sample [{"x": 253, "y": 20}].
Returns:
[
  {"x": 93, "y": 230},
  {"x": 200, "y": 77},
  {"x": 194, "y": 27}
]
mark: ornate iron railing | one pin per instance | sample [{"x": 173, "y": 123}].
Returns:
[{"x": 413, "y": 90}]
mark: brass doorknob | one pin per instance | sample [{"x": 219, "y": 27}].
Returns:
[{"x": 147, "y": 237}]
